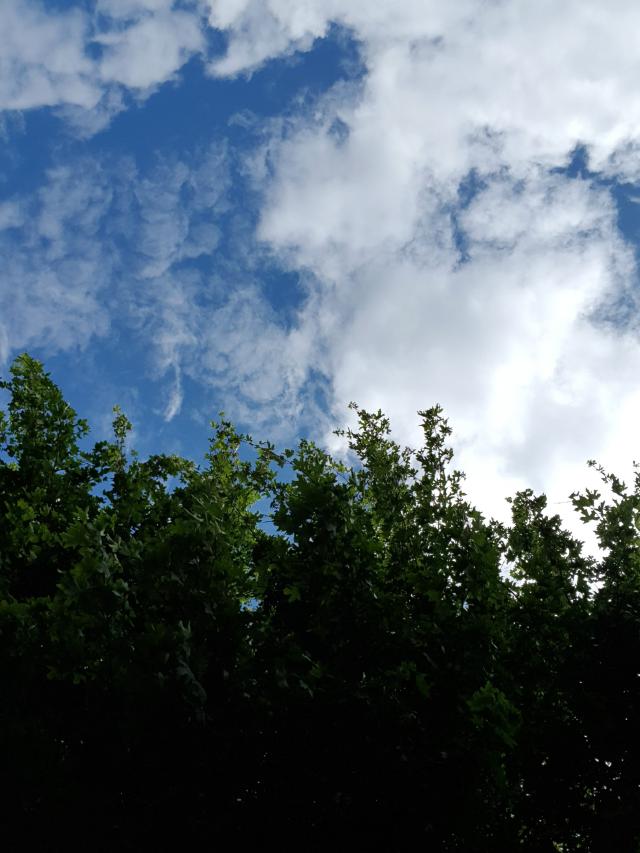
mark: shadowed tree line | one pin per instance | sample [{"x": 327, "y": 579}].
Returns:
[{"x": 379, "y": 667}]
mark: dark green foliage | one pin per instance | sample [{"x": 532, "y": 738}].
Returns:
[{"x": 378, "y": 667}]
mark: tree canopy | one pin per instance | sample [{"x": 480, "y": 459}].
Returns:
[{"x": 373, "y": 664}]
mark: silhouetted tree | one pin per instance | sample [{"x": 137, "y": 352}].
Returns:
[{"x": 379, "y": 667}]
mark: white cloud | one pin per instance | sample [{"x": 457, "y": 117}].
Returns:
[
  {"x": 150, "y": 50},
  {"x": 504, "y": 342},
  {"x": 28, "y": 293},
  {"x": 85, "y": 123},
  {"x": 492, "y": 308},
  {"x": 252, "y": 357},
  {"x": 55, "y": 271},
  {"x": 170, "y": 229},
  {"x": 124, "y": 9},
  {"x": 168, "y": 310},
  {"x": 101, "y": 246},
  {"x": 11, "y": 215},
  {"x": 176, "y": 396},
  {"x": 546, "y": 74},
  {"x": 260, "y": 31},
  {"x": 53, "y": 58},
  {"x": 42, "y": 59}
]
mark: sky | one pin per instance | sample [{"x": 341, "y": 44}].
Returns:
[{"x": 274, "y": 207}]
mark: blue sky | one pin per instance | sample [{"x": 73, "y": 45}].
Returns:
[{"x": 276, "y": 207}]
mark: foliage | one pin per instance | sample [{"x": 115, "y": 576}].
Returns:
[{"x": 378, "y": 666}]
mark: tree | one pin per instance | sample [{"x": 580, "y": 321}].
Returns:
[{"x": 379, "y": 665}]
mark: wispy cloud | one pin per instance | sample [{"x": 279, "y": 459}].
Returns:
[
  {"x": 54, "y": 270},
  {"x": 103, "y": 245}
]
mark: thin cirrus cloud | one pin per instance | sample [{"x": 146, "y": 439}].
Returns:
[
  {"x": 452, "y": 251},
  {"x": 54, "y": 271},
  {"x": 108, "y": 250}
]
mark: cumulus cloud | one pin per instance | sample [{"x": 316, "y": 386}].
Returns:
[
  {"x": 79, "y": 61},
  {"x": 544, "y": 74},
  {"x": 150, "y": 49},
  {"x": 260, "y": 31},
  {"x": 458, "y": 261},
  {"x": 42, "y": 58},
  {"x": 505, "y": 341}
]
